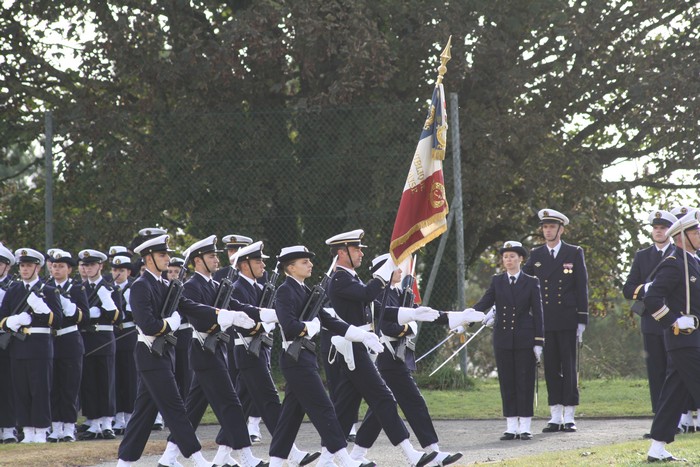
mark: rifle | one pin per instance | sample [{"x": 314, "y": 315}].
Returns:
[
  {"x": 6, "y": 285},
  {"x": 311, "y": 309},
  {"x": 267, "y": 300},
  {"x": 407, "y": 299},
  {"x": 172, "y": 299},
  {"x": 223, "y": 297},
  {"x": 21, "y": 307}
]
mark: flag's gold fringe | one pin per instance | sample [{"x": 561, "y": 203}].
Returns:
[{"x": 422, "y": 242}]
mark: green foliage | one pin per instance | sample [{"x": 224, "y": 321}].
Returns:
[{"x": 445, "y": 379}]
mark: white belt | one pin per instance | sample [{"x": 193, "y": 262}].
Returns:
[
  {"x": 240, "y": 341},
  {"x": 286, "y": 344},
  {"x": 184, "y": 326},
  {"x": 148, "y": 340},
  {"x": 60, "y": 332},
  {"x": 200, "y": 335},
  {"x": 37, "y": 330},
  {"x": 365, "y": 327},
  {"x": 391, "y": 339},
  {"x": 104, "y": 327},
  {"x": 128, "y": 324}
]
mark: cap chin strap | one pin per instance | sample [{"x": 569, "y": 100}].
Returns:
[
  {"x": 250, "y": 268},
  {"x": 205, "y": 264},
  {"x": 347, "y": 249},
  {"x": 155, "y": 263}
]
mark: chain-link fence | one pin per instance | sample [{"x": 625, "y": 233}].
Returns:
[{"x": 284, "y": 177}]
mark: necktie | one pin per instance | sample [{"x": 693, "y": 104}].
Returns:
[
  {"x": 26, "y": 286},
  {"x": 661, "y": 255},
  {"x": 512, "y": 280},
  {"x": 551, "y": 252}
]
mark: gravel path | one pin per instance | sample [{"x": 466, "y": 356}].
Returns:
[{"x": 476, "y": 439}]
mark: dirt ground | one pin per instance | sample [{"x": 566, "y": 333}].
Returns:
[{"x": 476, "y": 439}]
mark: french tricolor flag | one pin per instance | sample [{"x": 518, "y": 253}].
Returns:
[{"x": 422, "y": 214}]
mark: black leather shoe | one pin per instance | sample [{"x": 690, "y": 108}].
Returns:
[
  {"x": 82, "y": 428},
  {"x": 108, "y": 434},
  {"x": 552, "y": 428},
  {"x": 507, "y": 436},
  {"x": 368, "y": 464},
  {"x": 9, "y": 441},
  {"x": 157, "y": 427},
  {"x": 255, "y": 439},
  {"x": 49, "y": 439},
  {"x": 570, "y": 428},
  {"x": 451, "y": 459},
  {"x": 426, "y": 458},
  {"x": 646, "y": 436},
  {"x": 68, "y": 439},
  {"x": 351, "y": 439},
  {"x": 118, "y": 431},
  {"x": 526, "y": 436},
  {"x": 310, "y": 457},
  {"x": 665, "y": 459},
  {"x": 89, "y": 436}
]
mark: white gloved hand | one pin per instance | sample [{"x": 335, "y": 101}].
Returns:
[
  {"x": 685, "y": 322},
  {"x": 538, "y": 352},
  {"x": 312, "y": 327},
  {"x": 225, "y": 319},
  {"x": 579, "y": 332},
  {"x": 15, "y": 321},
  {"x": 370, "y": 339},
  {"x": 456, "y": 318},
  {"x": 373, "y": 343},
  {"x": 268, "y": 315},
  {"x": 68, "y": 306},
  {"x": 38, "y": 304},
  {"x": 174, "y": 321},
  {"x": 422, "y": 313},
  {"x": 490, "y": 318},
  {"x": 385, "y": 271},
  {"x": 242, "y": 320},
  {"x": 106, "y": 299},
  {"x": 95, "y": 312}
]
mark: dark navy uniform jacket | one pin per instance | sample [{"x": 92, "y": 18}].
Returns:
[
  {"x": 665, "y": 299},
  {"x": 643, "y": 264},
  {"x": 146, "y": 299},
  {"x": 95, "y": 339},
  {"x": 71, "y": 345},
  {"x": 289, "y": 303},
  {"x": 390, "y": 328},
  {"x": 351, "y": 297},
  {"x": 564, "y": 285},
  {"x": 519, "y": 318},
  {"x": 125, "y": 344},
  {"x": 39, "y": 346},
  {"x": 200, "y": 290},
  {"x": 245, "y": 292}
]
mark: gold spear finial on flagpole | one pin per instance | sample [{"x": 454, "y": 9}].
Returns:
[{"x": 445, "y": 57}]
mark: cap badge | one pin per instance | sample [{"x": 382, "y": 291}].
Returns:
[
  {"x": 507, "y": 245},
  {"x": 117, "y": 261},
  {"x": 545, "y": 213},
  {"x": 23, "y": 253},
  {"x": 86, "y": 254},
  {"x": 684, "y": 210},
  {"x": 658, "y": 215}
]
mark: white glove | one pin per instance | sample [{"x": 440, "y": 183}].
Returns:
[
  {"x": 15, "y": 321},
  {"x": 579, "y": 331},
  {"x": 174, "y": 321},
  {"x": 95, "y": 312},
  {"x": 242, "y": 320},
  {"x": 268, "y": 315},
  {"x": 538, "y": 352},
  {"x": 38, "y": 304},
  {"x": 370, "y": 339},
  {"x": 422, "y": 313},
  {"x": 456, "y": 318},
  {"x": 684, "y": 322},
  {"x": 68, "y": 306},
  {"x": 490, "y": 318},
  {"x": 312, "y": 327},
  {"x": 373, "y": 343},
  {"x": 106, "y": 299},
  {"x": 384, "y": 273}
]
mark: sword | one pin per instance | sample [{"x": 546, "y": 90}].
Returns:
[
  {"x": 459, "y": 349},
  {"x": 109, "y": 343},
  {"x": 537, "y": 381},
  {"x": 449, "y": 336}
]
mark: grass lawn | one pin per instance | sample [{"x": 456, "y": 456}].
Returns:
[
  {"x": 599, "y": 398},
  {"x": 629, "y": 454}
]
